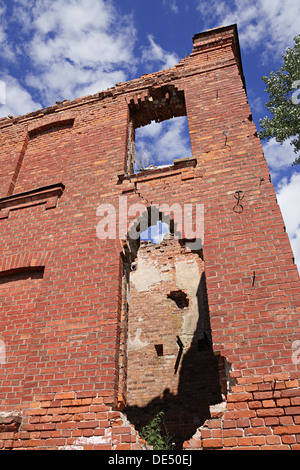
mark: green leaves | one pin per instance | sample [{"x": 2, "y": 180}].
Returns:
[
  {"x": 152, "y": 433},
  {"x": 283, "y": 103}
]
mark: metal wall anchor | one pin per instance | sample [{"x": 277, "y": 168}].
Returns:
[{"x": 239, "y": 196}]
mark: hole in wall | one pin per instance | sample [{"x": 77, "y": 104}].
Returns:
[
  {"x": 159, "y": 348},
  {"x": 152, "y": 226},
  {"x": 180, "y": 298},
  {"x": 186, "y": 392}
]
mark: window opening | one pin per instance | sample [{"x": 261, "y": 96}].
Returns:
[
  {"x": 156, "y": 233},
  {"x": 159, "y": 348},
  {"x": 158, "y": 144},
  {"x": 158, "y": 130}
]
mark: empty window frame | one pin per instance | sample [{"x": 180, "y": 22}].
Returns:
[{"x": 158, "y": 130}]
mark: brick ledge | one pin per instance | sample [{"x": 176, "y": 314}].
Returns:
[{"x": 47, "y": 195}]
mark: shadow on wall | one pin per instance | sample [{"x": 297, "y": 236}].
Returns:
[{"x": 198, "y": 386}]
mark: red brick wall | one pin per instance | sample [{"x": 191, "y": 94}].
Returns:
[{"x": 68, "y": 378}]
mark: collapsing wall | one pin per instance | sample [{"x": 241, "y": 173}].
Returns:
[{"x": 67, "y": 376}]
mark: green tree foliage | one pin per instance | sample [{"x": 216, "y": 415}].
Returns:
[{"x": 284, "y": 103}]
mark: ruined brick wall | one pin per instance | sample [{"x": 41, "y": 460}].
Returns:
[
  {"x": 171, "y": 365},
  {"x": 62, "y": 308}
]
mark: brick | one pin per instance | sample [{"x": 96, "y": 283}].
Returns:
[
  {"x": 283, "y": 402},
  {"x": 229, "y": 424},
  {"x": 67, "y": 425},
  {"x": 268, "y": 403},
  {"x": 233, "y": 432},
  {"x": 212, "y": 443},
  {"x": 258, "y": 440},
  {"x": 281, "y": 430},
  {"x": 286, "y": 420},
  {"x": 291, "y": 383},
  {"x": 258, "y": 431},
  {"x": 243, "y": 414},
  {"x": 257, "y": 422},
  {"x": 87, "y": 424},
  {"x": 243, "y": 423},
  {"x": 35, "y": 404},
  {"x": 239, "y": 397},
  {"x": 244, "y": 441},
  {"x": 288, "y": 439},
  {"x": 205, "y": 433},
  {"x": 270, "y": 412},
  {"x": 275, "y": 447},
  {"x": 34, "y": 443},
  {"x": 216, "y": 423},
  {"x": 272, "y": 420},
  {"x": 273, "y": 440},
  {"x": 123, "y": 447},
  {"x": 263, "y": 395},
  {"x": 255, "y": 405},
  {"x": 217, "y": 433},
  {"x": 290, "y": 393},
  {"x": 292, "y": 410},
  {"x": 230, "y": 442}
]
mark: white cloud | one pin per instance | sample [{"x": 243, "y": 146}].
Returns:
[
  {"x": 256, "y": 102},
  {"x": 155, "y": 53},
  {"x": 74, "y": 47},
  {"x": 270, "y": 24},
  {"x": 66, "y": 81},
  {"x": 156, "y": 233},
  {"x": 6, "y": 49},
  {"x": 278, "y": 156},
  {"x": 172, "y": 4},
  {"x": 71, "y": 16},
  {"x": 288, "y": 196},
  {"x": 80, "y": 31},
  {"x": 17, "y": 99},
  {"x": 173, "y": 143},
  {"x": 161, "y": 143},
  {"x": 150, "y": 131},
  {"x": 101, "y": 81}
]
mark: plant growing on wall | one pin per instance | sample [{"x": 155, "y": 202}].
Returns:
[{"x": 155, "y": 436}]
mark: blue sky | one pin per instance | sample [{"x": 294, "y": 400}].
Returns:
[{"x": 63, "y": 49}]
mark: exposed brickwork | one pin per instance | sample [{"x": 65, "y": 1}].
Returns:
[
  {"x": 262, "y": 414},
  {"x": 64, "y": 327},
  {"x": 69, "y": 421}
]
